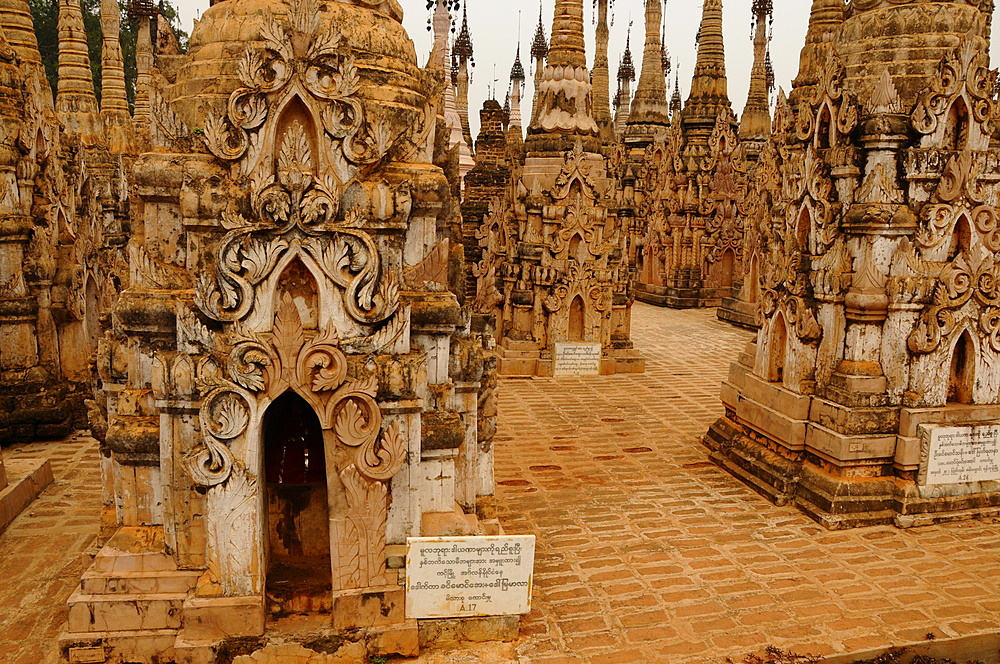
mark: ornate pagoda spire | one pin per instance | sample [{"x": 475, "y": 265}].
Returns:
[
  {"x": 824, "y": 18},
  {"x": 463, "y": 51},
  {"x": 516, "y": 88},
  {"x": 76, "y": 102},
  {"x": 443, "y": 60},
  {"x": 676, "y": 103},
  {"x": 114, "y": 103},
  {"x": 144, "y": 74},
  {"x": 562, "y": 114},
  {"x": 668, "y": 65},
  {"x": 601, "y": 75},
  {"x": 440, "y": 22},
  {"x": 626, "y": 76},
  {"x": 15, "y": 19},
  {"x": 113, "y": 97},
  {"x": 649, "y": 106},
  {"x": 709, "y": 88},
  {"x": 755, "y": 125},
  {"x": 539, "y": 50}
]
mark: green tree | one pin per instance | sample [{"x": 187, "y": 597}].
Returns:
[{"x": 45, "y": 15}]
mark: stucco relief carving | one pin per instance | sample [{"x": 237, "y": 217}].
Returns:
[
  {"x": 263, "y": 366},
  {"x": 963, "y": 75}
]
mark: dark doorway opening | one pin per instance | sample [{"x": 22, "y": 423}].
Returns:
[{"x": 298, "y": 574}]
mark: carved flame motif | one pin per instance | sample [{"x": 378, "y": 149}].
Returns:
[{"x": 360, "y": 535}]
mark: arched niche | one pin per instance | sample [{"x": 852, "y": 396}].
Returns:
[
  {"x": 824, "y": 128},
  {"x": 727, "y": 266},
  {"x": 297, "y": 498},
  {"x": 803, "y": 229},
  {"x": 956, "y": 126},
  {"x": 577, "y": 320},
  {"x": 578, "y": 249},
  {"x": 961, "y": 238},
  {"x": 296, "y": 135},
  {"x": 297, "y": 281},
  {"x": 777, "y": 349},
  {"x": 962, "y": 371}
]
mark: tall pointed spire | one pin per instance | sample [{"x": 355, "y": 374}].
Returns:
[
  {"x": 463, "y": 51},
  {"x": 76, "y": 102},
  {"x": 144, "y": 75},
  {"x": 676, "y": 104},
  {"x": 709, "y": 94},
  {"x": 626, "y": 75},
  {"x": 539, "y": 50},
  {"x": 601, "y": 75},
  {"x": 114, "y": 102},
  {"x": 649, "y": 106},
  {"x": 516, "y": 88},
  {"x": 755, "y": 125}
]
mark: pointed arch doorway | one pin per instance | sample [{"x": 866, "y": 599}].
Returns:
[{"x": 299, "y": 578}]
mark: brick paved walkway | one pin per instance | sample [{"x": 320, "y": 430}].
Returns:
[
  {"x": 41, "y": 552},
  {"x": 646, "y": 552}
]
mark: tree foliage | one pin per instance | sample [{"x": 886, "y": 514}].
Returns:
[{"x": 45, "y": 14}]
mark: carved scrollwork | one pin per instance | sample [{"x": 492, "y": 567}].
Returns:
[
  {"x": 349, "y": 257},
  {"x": 938, "y": 224},
  {"x": 969, "y": 278},
  {"x": 313, "y": 365},
  {"x": 964, "y": 72},
  {"x": 224, "y": 415}
]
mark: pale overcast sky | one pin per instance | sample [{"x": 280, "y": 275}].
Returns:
[{"x": 494, "y": 28}]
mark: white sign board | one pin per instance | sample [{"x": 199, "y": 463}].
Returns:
[
  {"x": 960, "y": 454},
  {"x": 578, "y": 359},
  {"x": 449, "y": 577}
]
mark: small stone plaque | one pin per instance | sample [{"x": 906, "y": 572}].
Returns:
[
  {"x": 448, "y": 577},
  {"x": 578, "y": 359},
  {"x": 960, "y": 454}
]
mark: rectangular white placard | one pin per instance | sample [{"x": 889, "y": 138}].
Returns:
[
  {"x": 578, "y": 359},
  {"x": 961, "y": 454},
  {"x": 449, "y": 577}
]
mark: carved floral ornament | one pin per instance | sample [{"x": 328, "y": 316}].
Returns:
[
  {"x": 264, "y": 366},
  {"x": 323, "y": 139},
  {"x": 827, "y": 96},
  {"x": 964, "y": 73},
  {"x": 971, "y": 278}
]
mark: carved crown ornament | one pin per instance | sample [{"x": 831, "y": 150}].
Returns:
[
  {"x": 261, "y": 367},
  {"x": 828, "y": 109},
  {"x": 963, "y": 76},
  {"x": 301, "y": 96}
]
